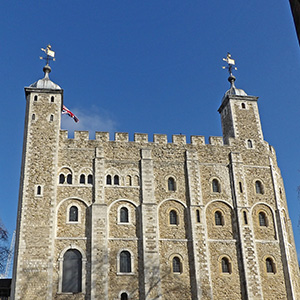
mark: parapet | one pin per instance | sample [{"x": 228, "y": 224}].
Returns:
[{"x": 123, "y": 137}]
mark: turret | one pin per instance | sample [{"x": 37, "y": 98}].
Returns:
[
  {"x": 37, "y": 195},
  {"x": 239, "y": 113}
]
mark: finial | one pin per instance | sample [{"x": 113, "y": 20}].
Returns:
[
  {"x": 49, "y": 55},
  {"x": 231, "y": 65}
]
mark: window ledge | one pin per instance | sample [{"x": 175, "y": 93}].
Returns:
[
  {"x": 123, "y": 274},
  {"x": 70, "y": 293}
]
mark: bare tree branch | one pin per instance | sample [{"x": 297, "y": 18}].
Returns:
[{"x": 3, "y": 246}]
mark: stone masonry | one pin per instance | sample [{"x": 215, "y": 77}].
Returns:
[{"x": 202, "y": 221}]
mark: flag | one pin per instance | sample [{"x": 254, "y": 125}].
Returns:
[
  {"x": 50, "y": 52},
  {"x": 65, "y": 111}
]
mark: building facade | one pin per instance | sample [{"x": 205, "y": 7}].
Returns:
[{"x": 118, "y": 219}]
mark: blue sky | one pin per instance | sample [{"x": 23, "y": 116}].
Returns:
[{"x": 151, "y": 67}]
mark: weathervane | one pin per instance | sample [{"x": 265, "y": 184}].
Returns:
[
  {"x": 231, "y": 63},
  {"x": 49, "y": 54}
]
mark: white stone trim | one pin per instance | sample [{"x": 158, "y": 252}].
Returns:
[
  {"x": 132, "y": 259},
  {"x": 129, "y": 215},
  {"x": 68, "y": 213},
  {"x": 216, "y": 200},
  {"x": 181, "y": 263},
  {"x": 36, "y": 188},
  {"x": 83, "y": 268}
]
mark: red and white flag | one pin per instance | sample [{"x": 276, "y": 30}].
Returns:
[{"x": 65, "y": 111}]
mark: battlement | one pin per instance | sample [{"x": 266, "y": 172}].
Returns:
[{"x": 143, "y": 138}]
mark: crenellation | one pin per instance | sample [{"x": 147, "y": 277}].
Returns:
[
  {"x": 141, "y": 137},
  {"x": 121, "y": 137},
  {"x": 102, "y": 136},
  {"x": 216, "y": 140},
  {"x": 179, "y": 139},
  {"x": 160, "y": 138},
  {"x": 197, "y": 140},
  {"x": 81, "y": 135}
]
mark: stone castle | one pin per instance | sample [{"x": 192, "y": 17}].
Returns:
[{"x": 117, "y": 219}]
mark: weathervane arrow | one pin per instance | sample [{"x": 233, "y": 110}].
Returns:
[{"x": 231, "y": 63}]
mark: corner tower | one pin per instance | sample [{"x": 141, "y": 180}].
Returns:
[
  {"x": 35, "y": 227},
  {"x": 239, "y": 113}
]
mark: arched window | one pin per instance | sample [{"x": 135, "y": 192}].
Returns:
[
  {"x": 108, "y": 179},
  {"x": 128, "y": 180},
  {"x": 69, "y": 178},
  {"x": 51, "y": 118},
  {"x": 198, "y": 215},
  {"x": 218, "y": 218},
  {"x": 72, "y": 272},
  {"x": 124, "y": 296},
  {"x": 90, "y": 179},
  {"x": 270, "y": 265},
  {"x": 171, "y": 184},
  {"x": 61, "y": 178},
  {"x": 243, "y": 105},
  {"x": 262, "y": 219},
  {"x": 124, "y": 218},
  {"x": 216, "y": 186},
  {"x": 116, "y": 180},
  {"x": 52, "y": 98},
  {"x": 125, "y": 262},
  {"x": 241, "y": 187},
  {"x": 249, "y": 144},
  {"x": 136, "y": 180},
  {"x": 245, "y": 218},
  {"x": 176, "y": 265},
  {"x": 225, "y": 265},
  {"x": 73, "y": 214},
  {"x": 173, "y": 217},
  {"x": 33, "y": 117},
  {"x": 82, "y": 179},
  {"x": 39, "y": 190},
  {"x": 35, "y": 98},
  {"x": 259, "y": 187}
]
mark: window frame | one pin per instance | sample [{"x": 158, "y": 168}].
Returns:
[
  {"x": 116, "y": 180},
  {"x": 128, "y": 215},
  {"x": 270, "y": 263},
  {"x": 78, "y": 213},
  {"x": 220, "y": 215},
  {"x": 90, "y": 182},
  {"x": 36, "y": 187},
  {"x": 178, "y": 261},
  {"x": 119, "y": 272},
  {"x": 263, "y": 219},
  {"x": 228, "y": 270},
  {"x": 259, "y": 187},
  {"x": 249, "y": 144},
  {"x": 122, "y": 293},
  {"x": 60, "y": 177},
  {"x": 82, "y": 175},
  {"x": 216, "y": 186},
  {"x": 171, "y": 184},
  {"x": 83, "y": 270},
  {"x": 108, "y": 179},
  {"x": 176, "y": 217}
]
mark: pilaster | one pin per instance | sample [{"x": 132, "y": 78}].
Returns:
[
  {"x": 249, "y": 267},
  {"x": 285, "y": 253},
  {"x": 150, "y": 251},
  {"x": 99, "y": 245},
  {"x": 197, "y": 234}
]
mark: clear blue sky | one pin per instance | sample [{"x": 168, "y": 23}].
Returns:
[{"x": 151, "y": 67}]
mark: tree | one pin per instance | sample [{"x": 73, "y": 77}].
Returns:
[{"x": 3, "y": 247}]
